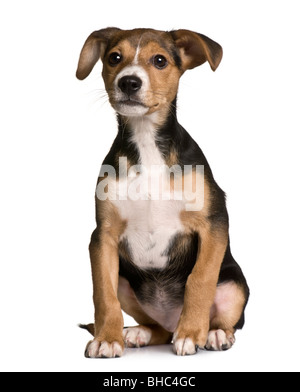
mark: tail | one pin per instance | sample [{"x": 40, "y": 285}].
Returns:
[{"x": 88, "y": 327}]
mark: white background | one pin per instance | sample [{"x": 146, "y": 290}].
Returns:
[{"x": 55, "y": 132}]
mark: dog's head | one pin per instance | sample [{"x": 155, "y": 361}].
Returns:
[{"x": 142, "y": 67}]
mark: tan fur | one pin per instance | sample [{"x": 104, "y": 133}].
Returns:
[
  {"x": 201, "y": 286},
  {"x": 196, "y": 49},
  {"x": 105, "y": 272},
  {"x": 164, "y": 83},
  {"x": 199, "y": 313},
  {"x": 172, "y": 158},
  {"x": 128, "y": 54}
]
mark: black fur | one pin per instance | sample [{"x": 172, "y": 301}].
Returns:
[{"x": 171, "y": 280}]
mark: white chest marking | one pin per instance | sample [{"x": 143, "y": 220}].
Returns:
[
  {"x": 144, "y": 138},
  {"x": 152, "y": 222}
]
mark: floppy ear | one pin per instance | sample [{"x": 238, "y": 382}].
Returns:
[
  {"x": 195, "y": 49},
  {"x": 92, "y": 50}
]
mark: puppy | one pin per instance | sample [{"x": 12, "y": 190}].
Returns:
[{"x": 160, "y": 251}]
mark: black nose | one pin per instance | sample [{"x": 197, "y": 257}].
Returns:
[{"x": 130, "y": 84}]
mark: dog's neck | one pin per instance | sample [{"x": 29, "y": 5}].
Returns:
[{"x": 155, "y": 135}]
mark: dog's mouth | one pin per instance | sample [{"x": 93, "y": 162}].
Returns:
[
  {"x": 131, "y": 102},
  {"x": 130, "y": 107}
]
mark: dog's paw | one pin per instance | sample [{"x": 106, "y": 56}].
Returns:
[
  {"x": 96, "y": 349},
  {"x": 137, "y": 336},
  {"x": 219, "y": 340},
  {"x": 187, "y": 342},
  {"x": 184, "y": 346}
]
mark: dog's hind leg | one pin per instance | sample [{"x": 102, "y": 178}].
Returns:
[
  {"x": 146, "y": 335},
  {"x": 226, "y": 313}
]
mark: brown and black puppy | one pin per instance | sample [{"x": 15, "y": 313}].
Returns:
[{"x": 161, "y": 247}]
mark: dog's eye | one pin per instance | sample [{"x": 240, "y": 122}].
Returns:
[
  {"x": 114, "y": 59},
  {"x": 160, "y": 61}
]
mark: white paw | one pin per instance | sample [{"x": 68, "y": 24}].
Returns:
[
  {"x": 184, "y": 347},
  {"x": 96, "y": 349},
  {"x": 218, "y": 340},
  {"x": 137, "y": 336}
]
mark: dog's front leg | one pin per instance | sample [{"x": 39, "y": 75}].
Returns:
[
  {"x": 104, "y": 256},
  {"x": 193, "y": 326}
]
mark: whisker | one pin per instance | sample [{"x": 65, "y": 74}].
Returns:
[{"x": 98, "y": 96}]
